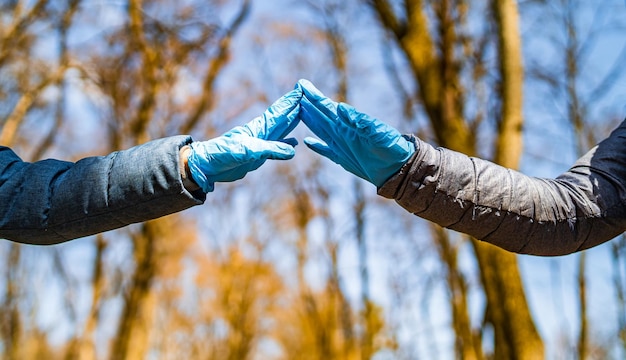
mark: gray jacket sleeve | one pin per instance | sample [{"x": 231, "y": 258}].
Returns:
[
  {"x": 581, "y": 208},
  {"x": 53, "y": 201}
]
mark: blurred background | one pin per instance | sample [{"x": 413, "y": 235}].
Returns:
[{"x": 301, "y": 260}]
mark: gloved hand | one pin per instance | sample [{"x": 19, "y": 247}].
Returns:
[
  {"x": 364, "y": 146},
  {"x": 245, "y": 148}
]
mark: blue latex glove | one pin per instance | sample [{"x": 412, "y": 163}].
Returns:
[
  {"x": 245, "y": 148},
  {"x": 366, "y": 147}
]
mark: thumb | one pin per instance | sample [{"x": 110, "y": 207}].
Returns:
[
  {"x": 320, "y": 147},
  {"x": 260, "y": 149},
  {"x": 291, "y": 141}
]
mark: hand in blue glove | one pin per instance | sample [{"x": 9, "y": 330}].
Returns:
[
  {"x": 245, "y": 148},
  {"x": 366, "y": 147}
]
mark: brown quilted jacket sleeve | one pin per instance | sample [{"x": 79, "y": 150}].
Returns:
[{"x": 581, "y": 208}]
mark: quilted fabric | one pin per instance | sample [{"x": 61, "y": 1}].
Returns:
[
  {"x": 52, "y": 201},
  {"x": 579, "y": 209}
]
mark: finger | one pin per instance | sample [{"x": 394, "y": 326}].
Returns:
[
  {"x": 310, "y": 91},
  {"x": 279, "y": 119},
  {"x": 351, "y": 117},
  {"x": 318, "y": 112},
  {"x": 323, "y": 149},
  {"x": 316, "y": 98},
  {"x": 320, "y": 147},
  {"x": 374, "y": 130},
  {"x": 258, "y": 149},
  {"x": 320, "y": 123},
  {"x": 291, "y": 141}
]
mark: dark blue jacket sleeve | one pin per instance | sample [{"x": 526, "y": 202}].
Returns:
[
  {"x": 583, "y": 207},
  {"x": 51, "y": 201}
]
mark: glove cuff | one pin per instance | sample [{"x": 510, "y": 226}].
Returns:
[{"x": 195, "y": 171}]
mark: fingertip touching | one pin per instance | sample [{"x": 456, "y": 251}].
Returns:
[
  {"x": 316, "y": 110},
  {"x": 279, "y": 119},
  {"x": 309, "y": 90}
]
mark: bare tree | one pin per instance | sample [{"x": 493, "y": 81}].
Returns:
[{"x": 437, "y": 73}]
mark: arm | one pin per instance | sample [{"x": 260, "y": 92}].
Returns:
[
  {"x": 584, "y": 207},
  {"x": 581, "y": 208},
  {"x": 53, "y": 201}
]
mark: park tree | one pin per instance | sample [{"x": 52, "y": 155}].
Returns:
[{"x": 435, "y": 47}]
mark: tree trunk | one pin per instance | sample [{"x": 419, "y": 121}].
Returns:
[
  {"x": 516, "y": 336},
  {"x": 438, "y": 77},
  {"x": 467, "y": 343},
  {"x": 131, "y": 341}
]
